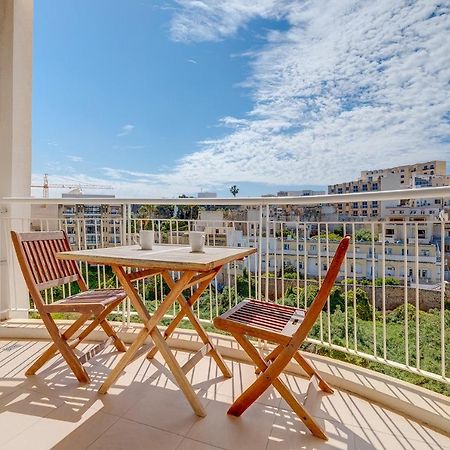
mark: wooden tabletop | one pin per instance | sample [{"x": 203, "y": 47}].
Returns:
[{"x": 166, "y": 256}]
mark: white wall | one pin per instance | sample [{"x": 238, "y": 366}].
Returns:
[{"x": 16, "y": 39}]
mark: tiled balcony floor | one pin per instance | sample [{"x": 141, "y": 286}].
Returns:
[{"x": 145, "y": 409}]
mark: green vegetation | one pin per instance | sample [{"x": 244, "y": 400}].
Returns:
[
  {"x": 332, "y": 237},
  {"x": 388, "y": 281},
  {"x": 363, "y": 235}
]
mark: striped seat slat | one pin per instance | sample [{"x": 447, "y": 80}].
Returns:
[
  {"x": 260, "y": 319},
  {"x": 264, "y": 315}
]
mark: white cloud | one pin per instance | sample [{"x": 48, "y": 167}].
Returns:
[
  {"x": 349, "y": 86},
  {"x": 75, "y": 158},
  {"x": 125, "y": 130},
  {"x": 191, "y": 61},
  {"x": 213, "y": 20}
]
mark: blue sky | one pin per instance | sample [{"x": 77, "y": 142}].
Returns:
[{"x": 159, "y": 98}]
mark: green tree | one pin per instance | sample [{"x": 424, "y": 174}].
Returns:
[
  {"x": 363, "y": 235},
  {"x": 234, "y": 190}
]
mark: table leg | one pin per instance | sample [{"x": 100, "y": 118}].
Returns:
[
  {"x": 151, "y": 329},
  {"x": 177, "y": 372},
  {"x": 186, "y": 305}
]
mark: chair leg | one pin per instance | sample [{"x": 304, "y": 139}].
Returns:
[
  {"x": 248, "y": 396},
  {"x": 120, "y": 346},
  {"x": 324, "y": 386},
  {"x": 270, "y": 357},
  {"x": 49, "y": 353},
  {"x": 65, "y": 350}
]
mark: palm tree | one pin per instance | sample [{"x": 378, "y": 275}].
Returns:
[{"x": 234, "y": 190}]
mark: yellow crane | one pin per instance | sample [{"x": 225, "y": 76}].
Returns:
[{"x": 46, "y": 186}]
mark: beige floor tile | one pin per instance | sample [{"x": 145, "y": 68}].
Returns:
[
  {"x": 126, "y": 434},
  {"x": 189, "y": 444},
  {"x": 165, "y": 409},
  {"x": 289, "y": 432},
  {"x": 250, "y": 431},
  {"x": 366, "y": 439},
  {"x": 206, "y": 375},
  {"x": 243, "y": 376},
  {"x": 16, "y": 356},
  {"x": 64, "y": 429},
  {"x": 377, "y": 419},
  {"x": 21, "y": 409},
  {"x": 145, "y": 406}
]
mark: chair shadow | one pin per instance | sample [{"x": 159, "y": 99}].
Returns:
[{"x": 55, "y": 386}]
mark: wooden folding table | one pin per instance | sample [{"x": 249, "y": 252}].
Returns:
[{"x": 196, "y": 270}]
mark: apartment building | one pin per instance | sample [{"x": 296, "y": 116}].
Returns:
[
  {"x": 312, "y": 256},
  {"x": 90, "y": 225},
  {"x": 432, "y": 173}
]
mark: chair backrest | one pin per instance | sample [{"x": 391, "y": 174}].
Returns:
[
  {"x": 36, "y": 253},
  {"x": 319, "y": 302}
]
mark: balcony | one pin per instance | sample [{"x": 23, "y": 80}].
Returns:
[
  {"x": 361, "y": 324},
  {"x": 53, "y": 410}
]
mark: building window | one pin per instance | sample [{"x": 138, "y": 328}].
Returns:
[
  {"x": 355, "y": 205},
  {"x": 339, "y": 190},
  {"x": 364, "y": 205},
  {"x": 355, "y": 213},
  {"x": 364, "y": 187},
  {"x": 375, "y": 186},
  {"x": 388, "y": 251},
  {"x": 355, "y": 188}
]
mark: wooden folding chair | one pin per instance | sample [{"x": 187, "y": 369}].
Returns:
[
  {"x": 36, "y": 255},
  {"x": 287, "y": 327}
]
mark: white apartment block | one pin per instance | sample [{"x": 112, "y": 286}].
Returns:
[
  {"x": 432, "y": 173},
  {"x": 312, "y": 256}
]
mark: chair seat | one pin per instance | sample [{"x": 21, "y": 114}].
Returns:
[
  {"x": 93, "y": 301},
  {"x": 265, "y": 320}
]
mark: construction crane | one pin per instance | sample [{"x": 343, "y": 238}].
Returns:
[{"x": 46, "y": 186}]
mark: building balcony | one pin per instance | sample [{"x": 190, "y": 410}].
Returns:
[{"x": 380, "y": 322}]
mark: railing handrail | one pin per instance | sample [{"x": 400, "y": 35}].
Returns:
[{"x": 421, "y": 193}]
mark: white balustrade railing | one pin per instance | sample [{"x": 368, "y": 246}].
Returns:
[{"x": 391, "y": 287}]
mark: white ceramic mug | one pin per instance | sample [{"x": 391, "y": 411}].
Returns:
[
  {"x": 197, "y": 241},
  {"x": 146, "y": 239}
]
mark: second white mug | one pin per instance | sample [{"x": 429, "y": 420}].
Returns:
[{"x": 146, "y": 239}]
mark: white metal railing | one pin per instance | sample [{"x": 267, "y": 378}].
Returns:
[{"x": 366, "y": 315}]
